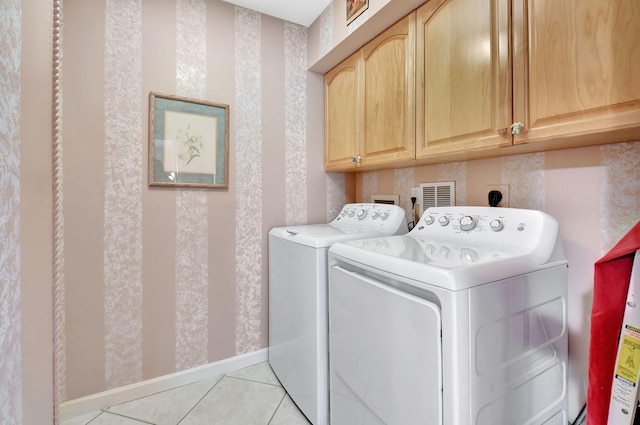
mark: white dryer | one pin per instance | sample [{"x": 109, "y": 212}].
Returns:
[
  {"x": 298, "y": 316},
  {"x": 463, "y": 321}
]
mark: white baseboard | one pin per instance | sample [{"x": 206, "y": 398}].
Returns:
[{"x": 95, "y": 402}]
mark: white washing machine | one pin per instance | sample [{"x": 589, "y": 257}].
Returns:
[
  {"x": 462, "y": 321},
  {"x": 298, "y": 316}
]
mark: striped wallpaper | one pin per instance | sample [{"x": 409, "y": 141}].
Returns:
[
  {"x": 10, "y": 262},
  {"x": 617, "y": 165},
  {"x": 295, "y": 103},
  {"x": 249, "y": 253},
  {"x": 525, "y": 176},
  {"x": 326, "y": 31},
  {"x": 162, "y": 280},
  {"x": 122, "y": 193},
  {"x": 620, "y": 193},
  {"x": 192, "y": 251},
  {"x": 335, "y": 194},
  {"x": 457, "y": 172}
]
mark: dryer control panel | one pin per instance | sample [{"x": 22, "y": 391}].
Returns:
[{"x": 510, "y": 228}]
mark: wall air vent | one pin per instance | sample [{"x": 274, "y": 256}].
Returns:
[
  {"x": 440, "y": 194},
  {"x": 385, "y": 199}
]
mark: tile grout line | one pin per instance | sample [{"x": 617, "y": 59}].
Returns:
[
  {"x": 221, "y": 377},
  {"x": 142, "y": 421},
  {"x": 94, "y": 418},
  {"x": 277, "y": 408},
  {"x": 237, "y": 378},
  {"x": 256, "y": 382},
  {"x": 200, "y": 400},
  {"x": 103, "y": 411}
]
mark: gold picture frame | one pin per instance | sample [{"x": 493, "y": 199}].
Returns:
[
  {"x": 355, "y": 9},
  {"x": 188, "y": 142}
]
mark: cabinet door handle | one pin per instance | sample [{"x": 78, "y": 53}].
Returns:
[
  {"x": 356, "y": 159},
  {"x": 516, "y": 127}
]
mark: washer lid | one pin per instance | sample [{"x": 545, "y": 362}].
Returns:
[
  {"x": 322, "y": 235},
  {"x": 436, "y": 262},
  {"x": 354, "y": 221}
]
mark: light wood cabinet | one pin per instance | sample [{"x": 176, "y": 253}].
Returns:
[
  {"x": 342, "y": 131},
  {"x": 370, "y": 102},
  {"x": 576, "y": 71},
  {"x": 463, "y": 76},
  {"x": 567, "y": 70},
  {"x": 387, "y": 95}
]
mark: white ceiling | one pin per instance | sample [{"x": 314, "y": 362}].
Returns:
[{"x": 302, "y": 12}]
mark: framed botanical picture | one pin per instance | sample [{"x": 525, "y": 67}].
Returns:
[
  {"x": 355, "y": 8},
  {"x": 188, "y": 142}
]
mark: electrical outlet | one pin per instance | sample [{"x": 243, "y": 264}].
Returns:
[
  {"x": 503, "y": 188},
  {"x": 415, "y": 193}
]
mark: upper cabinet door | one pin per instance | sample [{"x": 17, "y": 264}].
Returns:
[
  {"x": 387, "y": 95},
  {"x": 341, "y": 116},
  {"x": 464, "y": 99},
  {"x": 577, "y": 70}
]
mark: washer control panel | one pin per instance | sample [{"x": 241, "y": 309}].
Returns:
[{"x": 367, "y": 215}]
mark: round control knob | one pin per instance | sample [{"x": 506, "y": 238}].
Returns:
[
  {"x": 467, "y": 223},
  {"x": 445, "y": 252},
  {"x": 375, "y": 215},
  {"x": 351, "y": 213},
  {"x": 384, "y": 215},
  {"x": 428, "y": 219},
  {"x": 362, "y": 214},
  {"x": 343, "y": 213},
  {"x": 444, "y": 220},
  {"x": 496, "y": 225}
]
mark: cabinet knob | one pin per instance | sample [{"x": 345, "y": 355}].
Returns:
[
  {"x": 516, "y": 127},
  {"x": 356, "y": 159}
]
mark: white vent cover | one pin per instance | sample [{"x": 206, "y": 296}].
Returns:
[
  {"x": 440, "y": 194},
  {"x": 385, "y": 199}
]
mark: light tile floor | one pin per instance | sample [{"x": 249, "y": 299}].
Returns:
[{"x": 250, "y": 396}]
